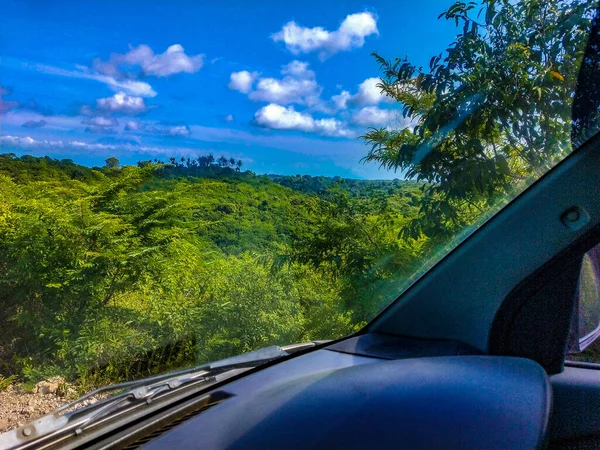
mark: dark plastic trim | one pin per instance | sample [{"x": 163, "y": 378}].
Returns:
[{"x": 546, "y": 345}]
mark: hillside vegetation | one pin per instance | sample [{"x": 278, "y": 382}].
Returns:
[{"x": 120, "y": 272}]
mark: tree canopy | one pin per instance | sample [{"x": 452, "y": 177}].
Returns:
[{"x": 492, "y": 113}]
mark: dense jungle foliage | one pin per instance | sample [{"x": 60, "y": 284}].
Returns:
[{"x": 119, "y": 272}]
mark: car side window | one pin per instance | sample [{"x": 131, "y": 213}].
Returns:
[{"x": 584, "y": 344}]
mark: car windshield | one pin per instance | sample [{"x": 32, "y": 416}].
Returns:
[{"x": 185, "y": 182}]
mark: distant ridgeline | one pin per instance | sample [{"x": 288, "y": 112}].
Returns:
[
  {"x": 320, "y": 185},
  {"x": 31, "y": 168}
]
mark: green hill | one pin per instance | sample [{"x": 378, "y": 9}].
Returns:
[{"x": 117, "y": 272}]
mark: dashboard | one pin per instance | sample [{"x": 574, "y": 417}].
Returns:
[{"x": 332, "y": 399}]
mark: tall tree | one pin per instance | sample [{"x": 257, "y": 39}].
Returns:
[
  {"x": 112, "y": 162},
  {"x": 494, "y": 112}
]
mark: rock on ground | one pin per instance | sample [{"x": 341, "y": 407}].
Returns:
[{"x": 19, "y": 406}]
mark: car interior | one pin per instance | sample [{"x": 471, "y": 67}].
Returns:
[{"x": 473, "y": 355}]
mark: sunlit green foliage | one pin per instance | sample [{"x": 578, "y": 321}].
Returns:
[
  {"x": 357, "y": 240},
  {"x": 492, "y": 113},
  {"x": 130, "y": 272}
]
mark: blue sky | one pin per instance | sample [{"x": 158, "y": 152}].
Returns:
[{"x": 287, "y": 87}]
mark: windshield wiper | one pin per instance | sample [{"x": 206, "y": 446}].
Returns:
[
  {"x": 148, "y": 389},
  {"x": 139, "y": 388},
  {"x": 68, "y": 419}
]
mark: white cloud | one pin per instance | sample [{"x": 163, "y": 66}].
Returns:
[
  {"x": 100, "y": 125},
  {"x": 298, "y": 85},
  {"x": 341, "y": 100},
  {"x": 242, "y": 81},
  {"x": 368, "y": 94},
  {"x": 229, "y": 118},
  {"x": 281, "y": 118},
  {"x": 64, "y": 123},
  {"x": 132, "y": 87},
  {"x": 351, "y": 34},
  {"x": 159, "y": 128},
  {"x": 371, "y": 116},
  {"x": 30, "y": 143},
  {"x": 172, "y": 61},
  {"x": 179, "y": 130},
  {"x": 122, "y": 103},
  {"x": 101, "y": 121},
  {"x": 100, "y": 130},
  {"x": 298, "y": 69},
  {"x": 86, "y": 110},
  {"x": 286, "y": 91},
  {"x": 133, "y": 126}
]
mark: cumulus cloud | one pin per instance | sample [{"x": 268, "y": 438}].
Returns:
[
  {"x": 350, "y": 34},
  {"x": 171, "y": 62},
  {"x": 341, "y": 100},
  {"x": 298, "y": 69},
  {"x": 371, "y": 116},
  {"x": 298, "y": 85},
  {"x": 162, "y": 129},
  {"x": 100, "y": 125},
  {"x": 122, "y": 103},
  {"x": 34, "y": 123},
  {"x": 132, "y": 87},
  {"x": 177, "y": 130},
  {"x": 367, "y": 94},
  {"x": 242, "y": 81},
  {"x": 281, "y": 118},
  {"x": 133, "y": 126}
]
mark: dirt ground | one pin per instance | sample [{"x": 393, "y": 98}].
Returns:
[{"x": 19, "y": 406}]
